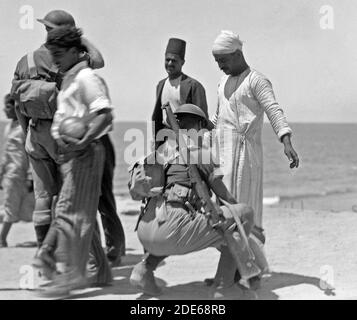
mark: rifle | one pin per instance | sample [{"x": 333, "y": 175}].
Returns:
[{"x": 237, "y": 241}]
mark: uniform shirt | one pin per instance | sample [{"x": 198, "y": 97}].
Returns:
[
  {"x": 83, "y": 94},
  {"x": 171, "y": 94},
  {"x": 176, "y": 163},
  {"x": 45, "y": 67},
  {"x": 14, "y": 161}
]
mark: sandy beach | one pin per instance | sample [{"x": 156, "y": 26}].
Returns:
[{"x": 311, "y": 256}]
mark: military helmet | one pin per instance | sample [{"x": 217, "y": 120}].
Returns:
[
  {"x": 189, "y": 108},
  {"x": 56, "y": 18}
]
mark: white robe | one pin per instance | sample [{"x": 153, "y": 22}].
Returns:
[{"x": 239, "y": 123}]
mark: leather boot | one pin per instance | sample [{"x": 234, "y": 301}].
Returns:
[{"x": 142, "y": 276}]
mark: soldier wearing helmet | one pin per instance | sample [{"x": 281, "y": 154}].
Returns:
[
  {"x": 173, "y": 223},
  {"x": 40, "y": 146}
]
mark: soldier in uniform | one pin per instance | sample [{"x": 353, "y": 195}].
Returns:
[{"x": 173, "y": 223}]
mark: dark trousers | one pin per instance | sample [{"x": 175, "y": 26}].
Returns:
[{"x": 113, "y": 229}]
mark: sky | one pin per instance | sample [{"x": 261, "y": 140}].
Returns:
[{"x": 308, "y": 53}]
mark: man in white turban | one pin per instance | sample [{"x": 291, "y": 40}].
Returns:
[
  {"x": 244, "y": 95},
  {"x": 227, "y": 42}
]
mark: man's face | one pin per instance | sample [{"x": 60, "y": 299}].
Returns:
[
  {"x": 64, "y": 58},
  {"x": 173, "y": 64},
  {"x": 188, "y": 122},
  {"x": 228, "y": 63},
  {"x": 9, "y": 109}
]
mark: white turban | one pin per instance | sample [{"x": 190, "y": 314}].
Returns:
[{"x": 227, "y": 42}]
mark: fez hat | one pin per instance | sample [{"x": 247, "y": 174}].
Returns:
[{"x": 176, "y": 46}]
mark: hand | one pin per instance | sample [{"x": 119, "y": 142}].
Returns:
[
  {"x": 84, "y": 56},
  {"x": 69, "y": 147},
  {"x": 290, "y": 152},
  {"x": 68, "y": 144},
  {"x": 292, "y": 156},
  {"x": 61, "y": 144}
]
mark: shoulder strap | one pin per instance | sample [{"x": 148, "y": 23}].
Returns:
[{"x": 31, "y": 65}]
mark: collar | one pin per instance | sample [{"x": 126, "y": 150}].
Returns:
[
  {"x": 76, "y": 68},
  {"x": 71, "y": 73}
]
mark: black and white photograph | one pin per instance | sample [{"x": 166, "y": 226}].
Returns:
[{"x": 183, "y": 150}]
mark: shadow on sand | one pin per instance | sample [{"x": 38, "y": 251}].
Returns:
[
  {"x": 195, "y": 290},
  {"x": 120, "y": 285}
]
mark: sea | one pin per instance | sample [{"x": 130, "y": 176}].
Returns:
[{"x": 327, "y": 152}]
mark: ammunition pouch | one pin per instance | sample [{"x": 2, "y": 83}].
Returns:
[
  {"x": 147, "y": 178},
  {"x": 178, "y": 194}
]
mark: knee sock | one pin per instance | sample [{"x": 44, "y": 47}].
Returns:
[
  {"x": 152, "y": 261},
  {"x": 5, "y": 231},
  {"x": 41, "y": 232}
]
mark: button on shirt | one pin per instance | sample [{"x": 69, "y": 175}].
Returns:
[{"x": 83, "y": 94}]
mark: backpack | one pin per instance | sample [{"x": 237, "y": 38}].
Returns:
[
  {"x": 147, "y": 178},
  {"x": 37, "y": 98}
]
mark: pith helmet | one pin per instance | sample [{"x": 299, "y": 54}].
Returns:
[{"x": 193, "y": 109}]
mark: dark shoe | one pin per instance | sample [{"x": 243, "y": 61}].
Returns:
[
  {"x": 209, "y": 282},
  {"x": 115, "y": 253},
  {"x": 98, "y": 275},
  {"x": 143, "y": 278},
  {"x": 94, "y": 282},
  {"x": 255, "y": 283},
  {"x": 114, "y": 262},
  {"x": 3, "y": 244}
]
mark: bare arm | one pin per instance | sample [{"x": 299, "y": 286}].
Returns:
[
  {"x": 221, "y": 191},
  {"x": 289, "y": 151},
  {"x": 97, "y": 125},
  {"x": 212, "y": 175},
  {"x": 96, "y": 60}
]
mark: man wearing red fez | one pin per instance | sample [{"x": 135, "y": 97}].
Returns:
[{"x": 177, "y": 88}]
